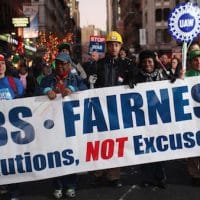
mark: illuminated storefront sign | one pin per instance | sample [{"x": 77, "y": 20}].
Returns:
[{"x": 21, "y": 22}]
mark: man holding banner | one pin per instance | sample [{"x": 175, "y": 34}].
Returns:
[
  {"x": 63, "y": 81},
  {"x": 111, "y": 71},
  {"x": 194, "y": 163}
]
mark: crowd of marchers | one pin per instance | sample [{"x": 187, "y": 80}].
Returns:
[{"x": 66, "y": 76}]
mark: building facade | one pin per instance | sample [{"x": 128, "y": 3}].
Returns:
[
  {"x": 51, "y": 16},
  {"x": 131, "y": 16},
  {"x": 8, "y": 10},
  {"x": 72, "y": 27},
  {"x": 143, "y": 23}
]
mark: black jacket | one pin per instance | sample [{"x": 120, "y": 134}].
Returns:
[{"x": 111, "y": 72}]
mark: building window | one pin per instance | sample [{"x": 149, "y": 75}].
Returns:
[
  {"x": 146, "y": 18},
  {"x": 159, "y": 36},
  {"x": 158, "y": 15},
  {"x": 166, "y": 12},
  {"x": 166, "y": 36}
]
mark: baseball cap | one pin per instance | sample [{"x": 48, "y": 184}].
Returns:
[{"x": 63, "y": 57}]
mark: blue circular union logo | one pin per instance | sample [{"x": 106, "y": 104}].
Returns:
[{"x": 186, "y": 22}]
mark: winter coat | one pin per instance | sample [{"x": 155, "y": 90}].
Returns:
[
  {"x": 111, "y": 72},
  {"x": 7, "y": 90},
  {"x": 72, "y": 79},
  {"x": 156, "y": 75},
  {"x": 90, "y": 67}
]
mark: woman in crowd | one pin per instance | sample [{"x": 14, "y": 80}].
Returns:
[
  {"x": 153, "y": 174},
  {"x": 28, "y": 80},
  {"x": 175, "y": 67}
]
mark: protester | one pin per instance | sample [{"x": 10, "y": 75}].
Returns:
[
  {"x": 133, "y": 59},
  {"x": 194, "y": 46},
  {"x": 124, "y": 53},
  {"x": 195, "y": 64},
  {"x": 90, "y": 68},
  {"x": 36, "y": 65},
  {"x": 66, "y": 48},
  {"x": 153, "y": 174},
  {"x": 65, "y": 82},
  {"x": 8, "y": 83},
  {"x": 10, "y": 69},
  {"x": 175, "y": 67},
  {"x": 10, "y": 88},
  {"x": 27, "y": 79},
  {"x": 130, "y": 60},
  {"x": 45, "y": 71},
  {"x": 165, "y": 61},
  {"x": 111, "y": 71},
  {"x": 193, "y": 163}
]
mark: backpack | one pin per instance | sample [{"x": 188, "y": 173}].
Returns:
[{"x": 12, "y": 84}]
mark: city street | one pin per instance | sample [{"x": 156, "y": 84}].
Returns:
[
  {"x": 179, "y": 187},
  {"x": 90, "y": 85}
]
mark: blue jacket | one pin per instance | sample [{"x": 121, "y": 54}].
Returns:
[
  {"x": 6, "y": 90},
  {"x": 72, "y": 81}
]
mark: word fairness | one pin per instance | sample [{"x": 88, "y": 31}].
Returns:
[{"x": 131, "y": 103}]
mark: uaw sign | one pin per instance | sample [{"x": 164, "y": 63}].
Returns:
[
  {"x": 99, "y": 129},
  {"x": 184, "y": 26},
  {"x": 97, "y": 43},
  {"x": 184, "y": 22}
]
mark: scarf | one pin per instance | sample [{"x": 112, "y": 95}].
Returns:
[
  {"x": 154, "y": 76},
  {"x": 60, "y": 79}
]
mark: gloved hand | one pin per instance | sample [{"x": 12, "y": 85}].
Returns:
[
  {"x": 92, "y": 79},
  {"x": 172, "y": 78},
  {"x": 132, "y": 83}
]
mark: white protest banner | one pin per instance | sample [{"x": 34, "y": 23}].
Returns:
[{"x": 98, "y": 129}]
